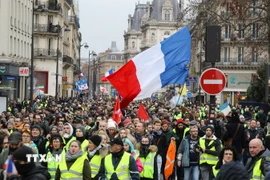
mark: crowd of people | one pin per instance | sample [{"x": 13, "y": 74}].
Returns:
[{"x": 93, "y": 146}]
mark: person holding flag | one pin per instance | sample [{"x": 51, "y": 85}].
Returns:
[{"x": 19, "y": 168}]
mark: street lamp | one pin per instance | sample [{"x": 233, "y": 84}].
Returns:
[
  {"x": 32, "y": 58},
  {"x": 57, "y": 59},
  {"x": 88, "y": 78},
  {"x": 85, "y": 45}
]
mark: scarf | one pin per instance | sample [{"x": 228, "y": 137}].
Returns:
[
  {"x": 71, "y": 157},
  {"x": 92, "y": 153}
]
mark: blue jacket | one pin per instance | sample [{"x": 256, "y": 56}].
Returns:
[{"x": 183, "y": 152}]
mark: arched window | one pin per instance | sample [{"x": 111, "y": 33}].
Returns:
[
  {"x": 133, "y": 44},
  {"x": 153, "y": 37},
  {"x": 167, "y": 33},
  {"x": 167, "y": 15}
]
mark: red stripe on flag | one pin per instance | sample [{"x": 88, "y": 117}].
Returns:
[{"x": 126, "y": 82}]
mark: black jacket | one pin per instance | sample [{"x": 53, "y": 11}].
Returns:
[
  {"x": 232, "y": 170},
  {"x": 239, "y": 140},
  {"x": 38, "y": 173}
]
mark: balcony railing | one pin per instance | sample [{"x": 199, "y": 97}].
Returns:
[
  {"x": 49, "y": 5},
  {"x": 67, "y": 59},
  {"x": 46, "y": 52},
  {"x": 47, "y": 28},
  {"x": 245, "y": 61}
]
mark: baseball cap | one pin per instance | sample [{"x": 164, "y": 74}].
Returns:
[
  {"x": 117, "y": 141},
  {"x": 15, "y": 138}
]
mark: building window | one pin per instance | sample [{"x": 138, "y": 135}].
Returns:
[
  {"x": 113, "y": 57},
  {"x": 227, "y": 34},
  {"x": 133, "y": 44},
  {"x": 167, "y": 33},
  {"x": 240, "y": 31},
  {"x": 152, "y": 37},
  {"x": 167, "y": 15},
  {"x": 254, "y": 9},
  {"x": 240, "y": 58},
  {"x": 255, "y": 30},
  {"x": 254, "y": 55},
  {"x": 226, "y": 54}
]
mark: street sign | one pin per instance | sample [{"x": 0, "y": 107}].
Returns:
[
  {"x": 212, "y": 81},
  {"x": 189, "y": 94},
  {"x": 23, "y": 71}
]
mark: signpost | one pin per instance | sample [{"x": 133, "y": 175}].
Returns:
[{"x": 213, "y": 81}]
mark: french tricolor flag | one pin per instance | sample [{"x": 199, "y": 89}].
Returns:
[
  {"x": 9, "y": 166},
  {"x": 81, "y": 74},
  {"x": 161, "y": 65},
  {"x": 104, "y": 78}
]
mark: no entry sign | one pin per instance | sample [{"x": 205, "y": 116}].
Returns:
[{"x": 212, "y": 81}]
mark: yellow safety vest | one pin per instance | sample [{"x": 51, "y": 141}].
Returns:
[
  {"x": 207, "y": 158},
  {"x": 52, "y": 164},
  {"x": 68, "y": 143},
  {"x": 215, "y": 171},
  {"x": 95, "y": 165},
  {"x": 84, "y": 145},
  {"x": 185, "y": 132},
  {"x": 122, "y": 170},
  {"x": 178, "y": 116},
  {"x": 148, "y": 165},
  {"x": 257, "y": 173},
  {"x": 75, "y": 172}
]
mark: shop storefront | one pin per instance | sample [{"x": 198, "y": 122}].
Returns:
[
  {"x": 236, "y": 87},
  {"x": 9, "y": 81}
]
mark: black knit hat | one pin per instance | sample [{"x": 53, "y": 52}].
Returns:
[
  {"x": 96, "y": 140},
  {"x": 36, "y": 127},
  {"x": 15, "y": 138},
  {"x": 20, "y": 154},
  {"x": 211, "y": 127}
]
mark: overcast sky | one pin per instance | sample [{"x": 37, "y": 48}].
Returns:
[{"x": 104, "y": 21}]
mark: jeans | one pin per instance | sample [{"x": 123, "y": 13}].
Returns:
[
  {"x": 191, "y": 173},
  {"x": 206, "y": 172}
]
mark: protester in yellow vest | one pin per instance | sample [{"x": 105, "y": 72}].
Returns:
[
  {"x": 210, "y": 147},
  {"x": 80, "y": 136},
  {"x": 147, "y": 154},
  {"x": 55, "y": 150},
  {"x": 259, "y": 163},
  {"x": 75, "y": 165},
  {"x": 95, "y": 155},
  {"x": 68, "y": 135},
  {"x": 119, "y": 165}
]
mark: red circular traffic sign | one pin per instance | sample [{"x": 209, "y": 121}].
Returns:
[{"x": 212, "y": 81}]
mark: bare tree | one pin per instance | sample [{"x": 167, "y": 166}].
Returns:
[{"x": 248, "y": 21}]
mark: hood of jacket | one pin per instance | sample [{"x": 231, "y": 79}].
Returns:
[
  {"x": 213, "y": 137},
  {"x": 39, "y": 172}
]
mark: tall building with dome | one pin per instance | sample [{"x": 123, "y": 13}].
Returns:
[{"x": 150, "y": 24}]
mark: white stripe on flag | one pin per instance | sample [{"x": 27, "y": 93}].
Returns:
[{"x": 212, "y": 81}]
